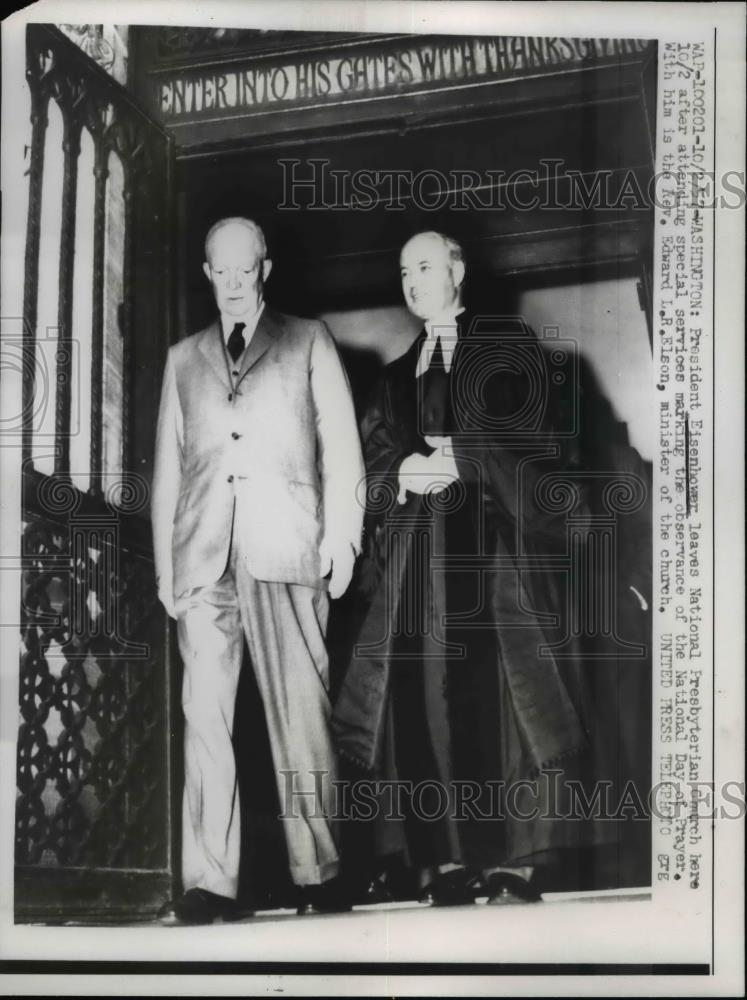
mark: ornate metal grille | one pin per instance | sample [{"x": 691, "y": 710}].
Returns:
[
  {"x": 106, "y": 44},
  {"x": 93, "y": 804},
  {"x": 91, "y": 761}
]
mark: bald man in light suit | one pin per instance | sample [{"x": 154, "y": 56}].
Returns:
[{"x": 256, "y": 524}]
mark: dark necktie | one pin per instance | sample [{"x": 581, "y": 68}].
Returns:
[
  {"x": 236, "y": 341},
  {"x": 435, "y": 386},
  {"x": 437, "y": 359}
]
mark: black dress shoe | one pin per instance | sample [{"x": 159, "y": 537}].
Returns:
[
  {"x": 454, "y": 888},
  {"x": 199, "y": 906},
  {"x": 329, "y": 897},
  {"x": 505, "y": 888},
  {"x": 378, "y": 892}
]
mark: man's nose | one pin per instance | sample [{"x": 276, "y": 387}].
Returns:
[{"x": 234, "y": 279}]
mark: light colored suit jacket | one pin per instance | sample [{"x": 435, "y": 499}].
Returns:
[{"x": 277, "y": 457}]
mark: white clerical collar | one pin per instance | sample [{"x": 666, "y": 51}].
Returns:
[
  {"x": 444, "y": 329},
  {"x": 250, "y": 321}
]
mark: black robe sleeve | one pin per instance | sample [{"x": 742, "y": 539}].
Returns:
[
  {"x": 520, "y": 468},
  {"x": 384, "y": 450}
]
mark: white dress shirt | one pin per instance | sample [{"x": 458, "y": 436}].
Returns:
[
  {"x": 444, "y": 328},
  {"x": 419, "y": 473}
]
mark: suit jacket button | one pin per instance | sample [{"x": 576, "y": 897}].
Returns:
[
  {"x": 230, "y": 479},
  {"x": 235, "y": 436}
]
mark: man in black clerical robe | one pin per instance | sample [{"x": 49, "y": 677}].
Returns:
[{"x": 453, "y": 688}]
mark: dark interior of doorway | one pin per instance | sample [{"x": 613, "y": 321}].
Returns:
[{"x": 331, "y": 258}]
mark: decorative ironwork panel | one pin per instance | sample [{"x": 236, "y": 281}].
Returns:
[
  {"x": 94, "y": 810},
  {"x": 92, "y": 782},
  {"x": 101, "y": 173},
  {"x": 71, "y": 150},
  {"x": 31, "y": 264},
  {"x": 88, "y": 97},
  {"x": 106, "y": 44}
]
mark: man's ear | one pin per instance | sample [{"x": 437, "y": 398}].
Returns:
[
  {"x": 206, "y": 270},
  {"x": 457, "y": 270},
  {"x": 266, "y": 268}
]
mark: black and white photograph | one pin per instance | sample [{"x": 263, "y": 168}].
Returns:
[{"x": 371, "y": 526}]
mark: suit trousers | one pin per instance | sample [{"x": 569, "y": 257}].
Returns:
[{"x": 285, "y": 626}]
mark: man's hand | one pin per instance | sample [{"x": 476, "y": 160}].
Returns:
[
  {"x": 428, "y": 473},
  {"x": 337, "y": 557}
]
